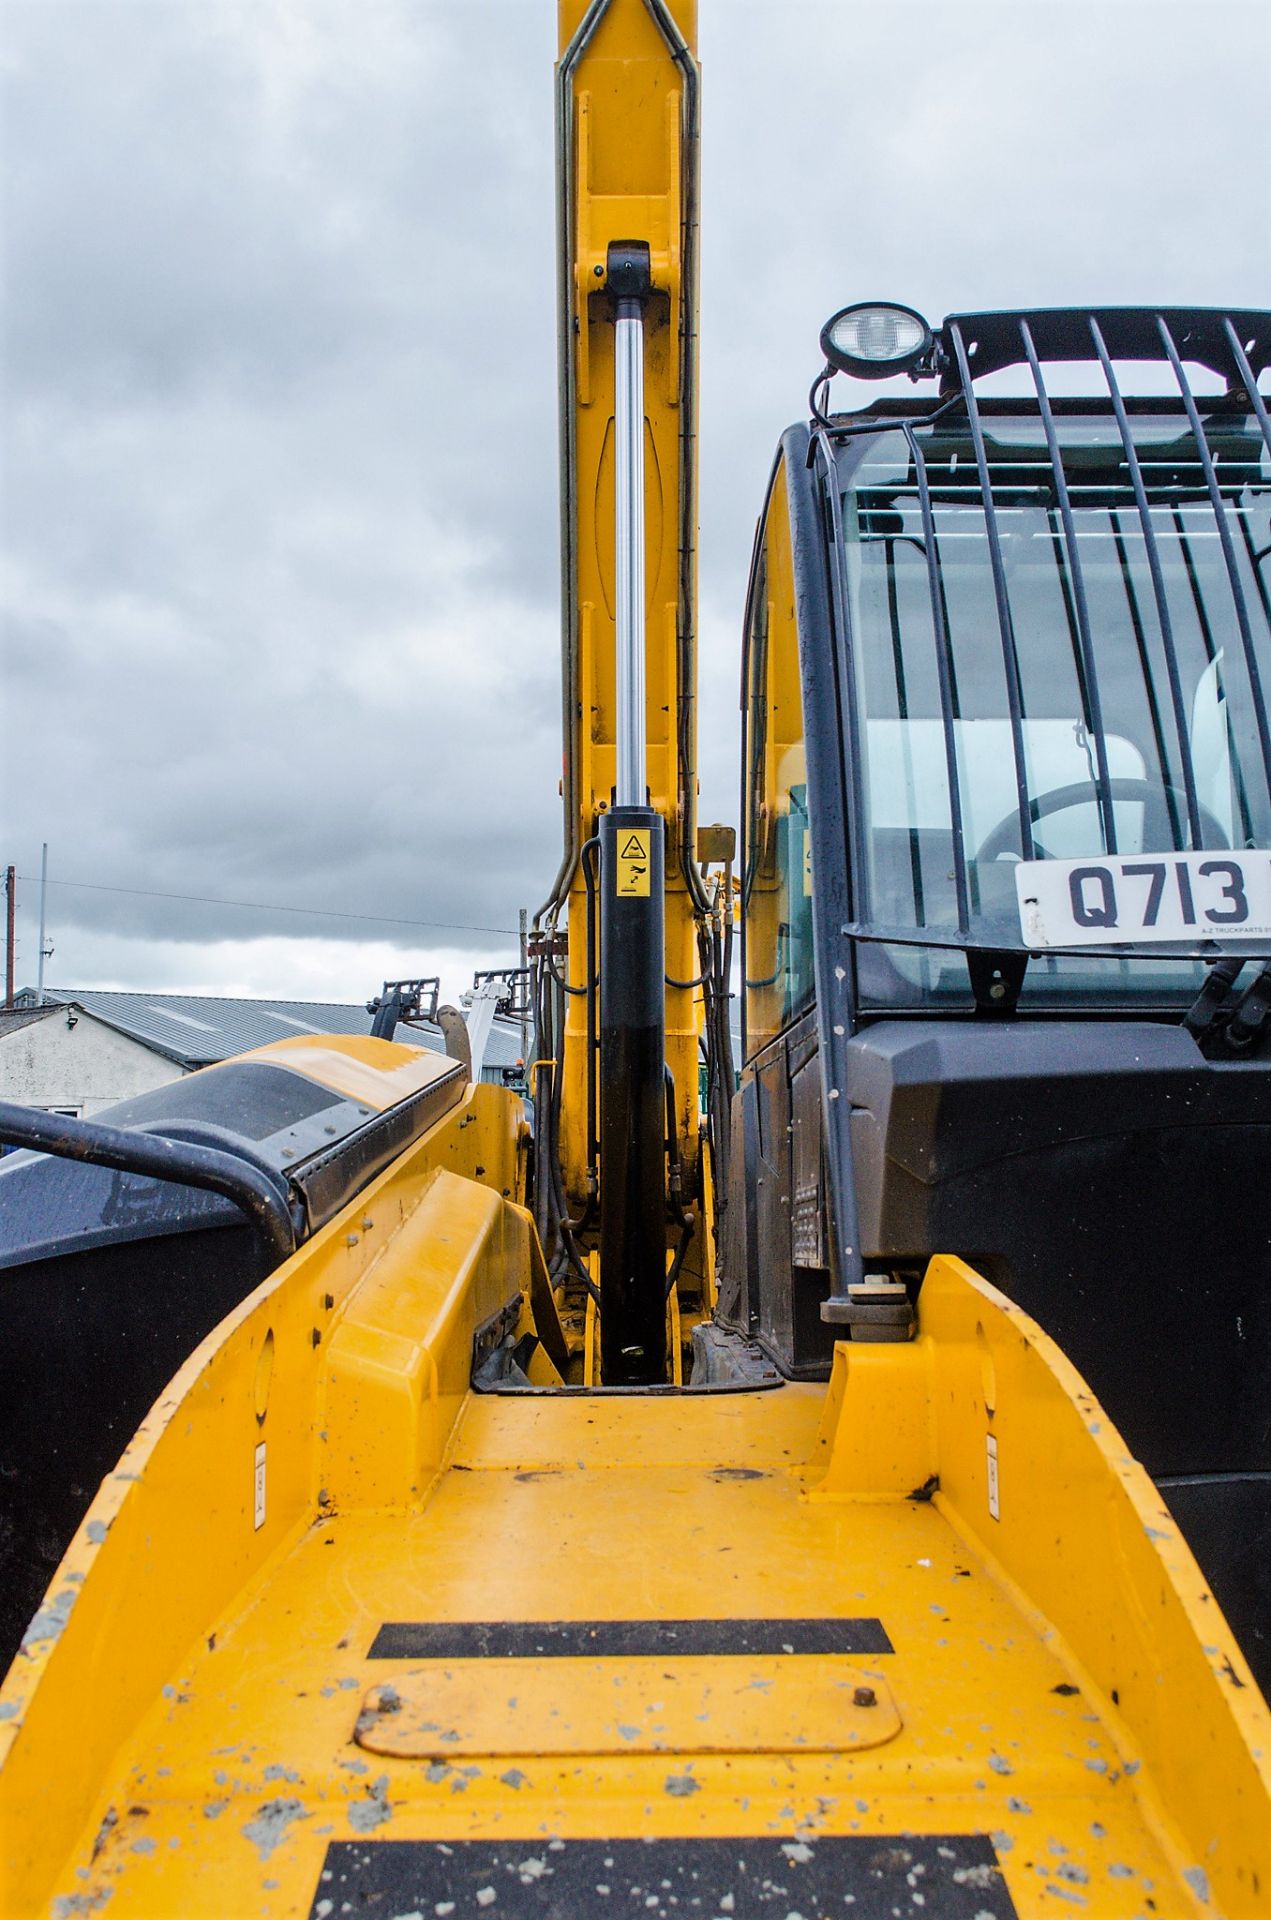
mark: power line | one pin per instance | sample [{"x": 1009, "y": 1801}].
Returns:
[{"x": 264, "y": 906}]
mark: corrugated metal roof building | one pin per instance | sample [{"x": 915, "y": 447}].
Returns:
[{"x": 195, "y": 1030}]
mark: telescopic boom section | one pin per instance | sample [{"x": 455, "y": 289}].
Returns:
[{"x": 627, "y": 160}]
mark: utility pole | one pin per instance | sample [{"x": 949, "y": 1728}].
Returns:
[
  {"x": 10, "y": 931},
  {"x": 44, "y": 888},
  {"x": 525, "y": 990}
]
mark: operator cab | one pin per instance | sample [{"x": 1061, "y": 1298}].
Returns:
[{"x": 1006, "y": 894}]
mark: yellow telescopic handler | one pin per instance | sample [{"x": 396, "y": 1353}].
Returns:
[{"x": 836, "y": 1481}]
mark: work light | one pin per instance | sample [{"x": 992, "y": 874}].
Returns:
[{"x": 872, "y": 341}]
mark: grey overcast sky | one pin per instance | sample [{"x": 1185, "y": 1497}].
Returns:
[{"x": 279, "y": 443}]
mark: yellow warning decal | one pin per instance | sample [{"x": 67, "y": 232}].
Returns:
[{"x": 633, "y": 864}]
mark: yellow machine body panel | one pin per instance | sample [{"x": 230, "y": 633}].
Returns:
[
  {"x": 332, "y": 1598},
  {"x": 778, "y": 881},
  {"x": 378, "y": 1073}
]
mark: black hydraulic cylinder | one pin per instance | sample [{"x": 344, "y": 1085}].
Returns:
[{"x": 632, "y": 1124}]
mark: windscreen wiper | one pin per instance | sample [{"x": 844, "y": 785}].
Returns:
[
  {"x": 1247, "y": 1022},
  {"x": 1213, "y": 997}
]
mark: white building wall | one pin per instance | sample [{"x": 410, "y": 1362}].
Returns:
[{"x": 88, "y": 1066}]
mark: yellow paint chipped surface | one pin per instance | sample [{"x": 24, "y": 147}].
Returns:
[
  {"x": 685, "y": 1704},
  {"x": 179, "y": 1737},
  {"x": 246, "y": 1762}
]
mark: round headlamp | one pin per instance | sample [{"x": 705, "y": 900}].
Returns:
[{"x": 872, "y": 341}]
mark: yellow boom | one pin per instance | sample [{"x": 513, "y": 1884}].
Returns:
[{"x": 627, "y": 113}]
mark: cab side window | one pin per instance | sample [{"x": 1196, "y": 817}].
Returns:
[{"x": 777, "y": 870}]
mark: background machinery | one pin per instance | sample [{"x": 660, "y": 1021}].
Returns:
[{"x": 697, "y": 1511}]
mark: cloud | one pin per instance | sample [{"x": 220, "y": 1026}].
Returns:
[
  {"x": 345, "y": 972},
  {"x": 280, "y": 541}
]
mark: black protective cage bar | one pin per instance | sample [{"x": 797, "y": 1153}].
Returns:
[{"x": 1236, "y": 345}]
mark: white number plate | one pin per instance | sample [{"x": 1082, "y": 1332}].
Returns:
[{"x": 1140, "y": 897}]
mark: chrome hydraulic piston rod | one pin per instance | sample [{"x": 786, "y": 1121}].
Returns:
[{"x": 628, "y": 434}]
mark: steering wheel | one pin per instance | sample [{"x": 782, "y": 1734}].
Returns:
[{"x": 1158, "y": 821}]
